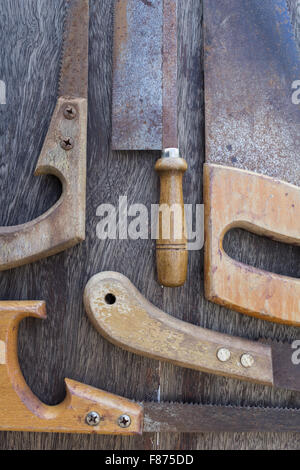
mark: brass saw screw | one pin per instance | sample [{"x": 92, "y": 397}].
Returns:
[{"x": 70, "y": 112}]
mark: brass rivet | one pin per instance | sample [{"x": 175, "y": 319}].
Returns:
[
  {"x": 247, "y": 360},
  {"x": 223, "y": 354}
]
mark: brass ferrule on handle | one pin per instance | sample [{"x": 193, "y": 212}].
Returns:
[{"x": 171, "y": 246}]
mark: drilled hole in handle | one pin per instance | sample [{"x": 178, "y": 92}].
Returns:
[{"x": 110, "y": 299}]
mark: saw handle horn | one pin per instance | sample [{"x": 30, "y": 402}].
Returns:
[
  {"x": 85, "y": 410},
  {"x": 171, "y": 245}
]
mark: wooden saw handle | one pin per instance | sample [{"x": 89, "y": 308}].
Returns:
[
  {"x": 171, "y": 246},
  {"x": 242, "y": 199},
  {"x": 63, "y": 225},
  {"x": 21, "y": 410},
  {"x": 124, "y": 317}
]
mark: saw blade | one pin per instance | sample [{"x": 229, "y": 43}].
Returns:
[
  {"x": 144, "y": 111},
  {"x": 286, "y": 364},
  {"x": 181, "y": 417},
  {"x": 252, "y": 64},
  {"x": 73, "y": 81}
]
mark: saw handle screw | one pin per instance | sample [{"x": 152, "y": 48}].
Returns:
[
  {"x": 70, "y": 112},
  {"x": 93, "y": 418},
  {"x": 124, "y": 421},
  {"x": 67, "y": 143}
]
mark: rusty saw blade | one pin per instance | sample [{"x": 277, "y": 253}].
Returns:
[
  {"x": 286, "y": 364},
  {"x": 251, "y": 64},
  {"x": 73, "y": 81},
  {"x": 180, "y": 417},
  {"x": 252, "y": 69},
  {"x": 144, "y": 114}
]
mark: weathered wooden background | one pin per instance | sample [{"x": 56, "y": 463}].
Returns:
[{"x": 66, "y": 344}]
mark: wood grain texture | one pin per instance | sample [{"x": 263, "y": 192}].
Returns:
[{"x": 67, "y": 344}]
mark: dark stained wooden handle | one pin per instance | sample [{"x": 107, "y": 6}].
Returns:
[{"x": 171, "y": 246}]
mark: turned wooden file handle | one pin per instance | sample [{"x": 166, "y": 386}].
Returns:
[{"x": 171, "y": 246}]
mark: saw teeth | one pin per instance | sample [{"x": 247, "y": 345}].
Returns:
[
  {"x": 271, "y": 341},
  {"x": 213, "y": 405},
  {"x": 294, "y": 22},
  {"x": 63, "y": 48}
]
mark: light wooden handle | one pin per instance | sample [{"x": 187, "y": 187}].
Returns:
[
  {"x": 171, "y": 247},
  {"x": 242, "y": 199},
  {"x": 21, "y": 410},
  {"x": 123, "y": 316}
]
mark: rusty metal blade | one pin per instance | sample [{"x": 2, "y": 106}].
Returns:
[
  {"x": 144, "y": 115},
  {"x": 178, "y": 417},
  {"x": 170, "y": 51},
  {"x": 251, "y": 64},
  {"x": 73, "y": 80}
]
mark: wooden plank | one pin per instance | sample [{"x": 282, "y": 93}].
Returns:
[
  {"x": 66, "y": 344},
  {"x": 185, "y": 385}
]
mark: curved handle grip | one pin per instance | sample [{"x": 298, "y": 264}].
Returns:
[
  {"x": 63, "y": 225},
  {"x": 124, "y": 317},
  {"x": 171, "y": 246},
  {"x": 262, "y": 205},
  {"x": 21, "y": 410}
]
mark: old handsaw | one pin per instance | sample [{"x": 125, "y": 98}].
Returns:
[
  {"x": 144, "y": 115},
  {"x": 124, "y": 317},
  {"x": 252, "y": 171},
  {"x": 63, "y": 155},
  {"x": 87, "y": 410}
]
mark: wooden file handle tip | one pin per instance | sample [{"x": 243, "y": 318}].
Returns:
[{"x": 171, "y": 247}]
